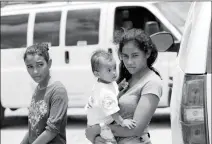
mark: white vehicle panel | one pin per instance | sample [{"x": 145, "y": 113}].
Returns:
[
  {"x": 76, "y": 75},
  {"x": 178, "y": 80},
  {"x": 195, "y": 59},
  {"x": 209, "y": 104}
]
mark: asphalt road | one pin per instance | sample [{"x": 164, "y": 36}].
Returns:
[{"x": 15, "y": 128}]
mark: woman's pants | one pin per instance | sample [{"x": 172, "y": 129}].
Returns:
[{"x": 144, "y": 139}]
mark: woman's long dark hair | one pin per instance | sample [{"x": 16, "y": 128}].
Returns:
[{"x": 144, "y": 42}]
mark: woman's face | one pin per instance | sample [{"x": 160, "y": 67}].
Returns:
[
  {"x": 134, "y": 59},
  {"x": 37, "y": 67}
]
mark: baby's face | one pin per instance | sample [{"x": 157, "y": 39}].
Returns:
[{"x": 107, "y": 71}]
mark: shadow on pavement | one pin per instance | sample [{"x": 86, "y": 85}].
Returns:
[
  {"x": 15, "y": 122},
  {"x": 161, "y": 120},
  {"x": 22, "y": 121},
  {"x": 74, "y": 121}
]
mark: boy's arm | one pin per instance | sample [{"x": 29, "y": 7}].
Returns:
[
  {"x": 45, "y": 137},
  {"x": 58, "y": 112},
  {"x": 26, "y": 139}
]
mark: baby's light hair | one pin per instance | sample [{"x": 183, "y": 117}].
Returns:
[
  {"x": 97, "y": 55},
  {"x": 40, "y": 49}
]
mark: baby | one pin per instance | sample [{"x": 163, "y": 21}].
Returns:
[{"x": 102, "y": 107}]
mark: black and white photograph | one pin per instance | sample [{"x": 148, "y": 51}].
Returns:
[{"x": 105, "y": 72}]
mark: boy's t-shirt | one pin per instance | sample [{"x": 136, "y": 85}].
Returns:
[
  {"x": 48, "y": 111},
  {"x": 104, "y": 103}
]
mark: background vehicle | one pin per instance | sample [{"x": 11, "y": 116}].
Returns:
[
  {"x": 74, "y": 30},
  {"x": 191, "y": 95}
]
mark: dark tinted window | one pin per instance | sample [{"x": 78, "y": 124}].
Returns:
[
  {"x": 14, "y": 31},
  {"x": 47, "y": 28},
  {"x": 82, "y": 26}
]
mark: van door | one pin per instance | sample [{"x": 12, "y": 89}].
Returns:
[
  {"x": 47, "y": 29},
  {"x": 19, "y": 31},
  {"x": 208, "y": 83},
  {"x": 83, "y": 33},
  {"x": 15, "y": 84}
]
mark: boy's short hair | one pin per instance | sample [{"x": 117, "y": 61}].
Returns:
[
  {"x": 97, "y": 55},
  {"x": 39, "y": 49}
]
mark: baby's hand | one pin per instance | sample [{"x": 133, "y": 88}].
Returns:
[
  {"x": 123, "y": 84},
  {"x": 128, "y": 123}
]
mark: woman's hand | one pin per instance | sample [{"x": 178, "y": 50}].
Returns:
[
  {"x": 91, "y": 132},
  {"x": 99, "y": 140}
]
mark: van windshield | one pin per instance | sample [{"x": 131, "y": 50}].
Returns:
[{"x": 175, "y": 12}]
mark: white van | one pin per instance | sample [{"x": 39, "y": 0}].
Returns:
[
  {"x": 74, "y": 30},
  {"x": 191, "y": 95}
]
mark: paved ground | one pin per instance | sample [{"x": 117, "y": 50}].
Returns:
[{"x": 16, "y": 127}]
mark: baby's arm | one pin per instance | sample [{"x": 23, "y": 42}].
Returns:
[
  {"x": 89, "y": 104},
  {"x": 123, "y": 122},
  {"x": 123, "y": 85}
]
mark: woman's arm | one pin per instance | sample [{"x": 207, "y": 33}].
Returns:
[
  {"x": 142, "y": 116},
  {"x": 92, "y": 132},
  {"x": 45, "y": 137},
  {"x": 26, "y": 139}
]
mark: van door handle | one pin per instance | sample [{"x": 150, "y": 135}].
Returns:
[{"x": 66, "y": 57}]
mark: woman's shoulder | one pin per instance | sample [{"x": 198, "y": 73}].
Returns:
[
  {"x": 150, "y": 79},
  {"x": 153, "y": 77},
  {"x": 153, "y": 85}
]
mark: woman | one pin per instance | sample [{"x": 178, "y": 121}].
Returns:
[{"x": 140, "y": 99}]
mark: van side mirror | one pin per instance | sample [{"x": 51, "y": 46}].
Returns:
[{"x": 162, "y": 40}]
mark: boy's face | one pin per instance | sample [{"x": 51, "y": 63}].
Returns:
[
  {"x": 37, "y": 67},
  {"x": 107, "y": 71}
]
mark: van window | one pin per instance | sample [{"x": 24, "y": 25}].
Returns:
[
  {"x": 14, "y": 31},
  {"x": 128, "y": 17},
  {"x": 82, "y": 27},
  {"x": 47, "y": 28}
]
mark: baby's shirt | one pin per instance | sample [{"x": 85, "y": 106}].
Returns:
[{"x": 104, "y": 103}]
